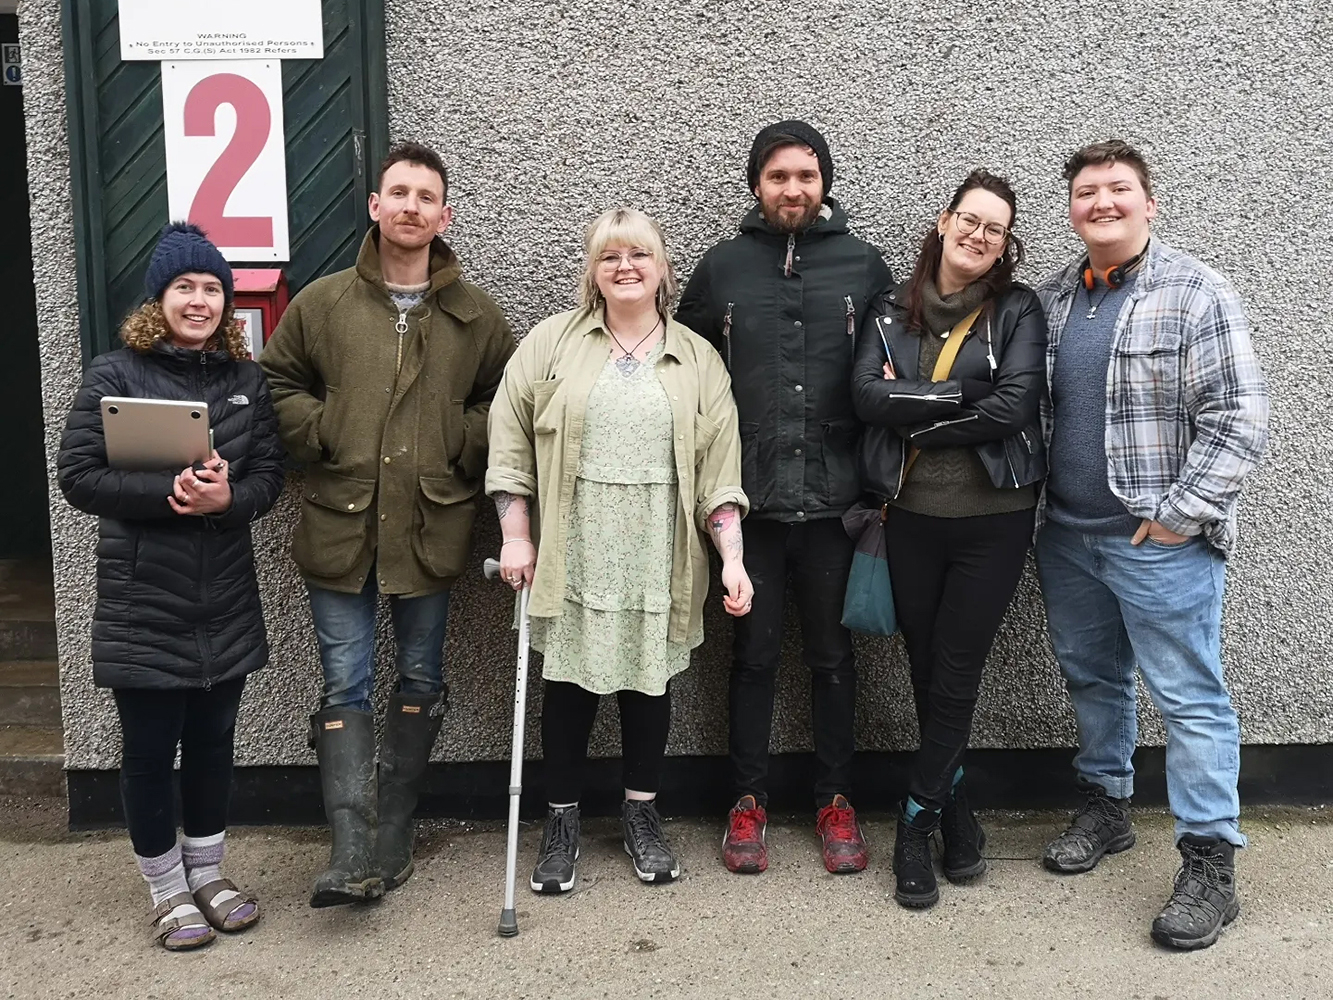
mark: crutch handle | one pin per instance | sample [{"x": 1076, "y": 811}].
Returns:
[{"x": 491, "y": 567}]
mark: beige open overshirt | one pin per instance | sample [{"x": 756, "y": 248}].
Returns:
[{"x": 536, "y": 436}]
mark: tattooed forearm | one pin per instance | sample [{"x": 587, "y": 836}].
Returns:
[
  {"x": 722, "y": 518},
  {"x": 503, "y": 501},
  {"x": 724, "y": 524}
]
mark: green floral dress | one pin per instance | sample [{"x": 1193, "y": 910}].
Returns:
[{"x": 611, "y": 634}]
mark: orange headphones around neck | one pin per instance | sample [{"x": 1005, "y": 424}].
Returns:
[{"x": 1112, "y": 277}]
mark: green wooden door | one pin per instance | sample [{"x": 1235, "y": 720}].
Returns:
[{"x": 336, "y": 121}]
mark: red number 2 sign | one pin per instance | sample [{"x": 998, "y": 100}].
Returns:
[{"x": 226, "y": 162}]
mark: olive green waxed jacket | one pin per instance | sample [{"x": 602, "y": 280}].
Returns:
[
  {"x": 390, "y": 422},
  {"x": 536, "y": 433}
]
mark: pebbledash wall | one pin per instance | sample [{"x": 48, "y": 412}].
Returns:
[{"x": 549, "y": 113}]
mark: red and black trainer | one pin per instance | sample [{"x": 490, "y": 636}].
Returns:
[
  {"x": 844, "y": 844},
  {"x": 743, "y": 849}
]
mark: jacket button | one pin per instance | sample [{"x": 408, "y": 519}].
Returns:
[
  {"x": 351, "y": 506},
  {"x": 384, "y": 517},
  {"x": 800, "y": 513},
  {"x": 314, "y": 496},
  {"x": 798, "y": 451},
  {"x": 800, "y": 388},
  {"x": 386, "y": 459},
  {"x": 798, "y": 323}
]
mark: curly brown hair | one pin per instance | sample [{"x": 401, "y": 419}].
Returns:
[{"x": 148, "y": 324}]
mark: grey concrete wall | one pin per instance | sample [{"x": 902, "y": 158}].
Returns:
[{"x": 550, "y": 112}]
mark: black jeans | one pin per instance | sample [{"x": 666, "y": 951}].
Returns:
[
  {"x": 953, "y": 578},
  {"x": 568, "y": 712},
  {"x": 816, "y": 557},
  {"x": 152, "y": 724}
]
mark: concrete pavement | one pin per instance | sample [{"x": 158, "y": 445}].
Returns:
[{"x": 73, "y": 922}]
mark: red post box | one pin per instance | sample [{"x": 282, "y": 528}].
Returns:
[{"x": 261, "y": 299}]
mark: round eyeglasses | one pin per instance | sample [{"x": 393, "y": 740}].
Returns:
[
  {"x": 637, "y": 258},
  {"x": 991, "y": 232}
]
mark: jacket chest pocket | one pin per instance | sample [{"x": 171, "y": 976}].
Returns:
[
  {"x": 1149, "y": 370},
  {"x": 547, "y": 411}
]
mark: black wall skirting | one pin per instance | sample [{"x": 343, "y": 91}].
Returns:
[{"x": 700, "y": 786}]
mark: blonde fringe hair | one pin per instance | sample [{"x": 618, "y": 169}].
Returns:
[
  {"x": 148, "y": 324},
  {"x": 626, "y": 227}
]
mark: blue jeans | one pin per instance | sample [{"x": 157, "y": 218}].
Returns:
[
  {"x": 345, "y": 627},
  {"x": 1111, "y": 605}
]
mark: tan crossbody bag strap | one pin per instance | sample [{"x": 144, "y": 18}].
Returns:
[{"x": 944, "y": 365}]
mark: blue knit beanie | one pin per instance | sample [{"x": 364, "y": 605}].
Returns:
[{"x": 183, "y": 248}]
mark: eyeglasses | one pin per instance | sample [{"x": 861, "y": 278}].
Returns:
[
  {"x": 991, "y": 232},
  {"x": 638, "y": 258}
]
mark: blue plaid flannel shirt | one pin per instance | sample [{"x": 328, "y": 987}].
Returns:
[{"x": 1186, "y": 404}]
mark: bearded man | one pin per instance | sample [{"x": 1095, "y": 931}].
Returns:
[{"x": 783, "y": 302}]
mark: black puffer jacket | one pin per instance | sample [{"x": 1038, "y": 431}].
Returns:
[
  {"x": 785, "y": 312},
  {"x": 177, "y": 600},
  {"x": 911, "y": 412}
]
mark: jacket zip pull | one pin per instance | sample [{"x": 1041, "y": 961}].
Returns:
[
  {"x": 791, "y": 251},
  {"x": 851, "y": 316},
  {"x": 1026, "y": 443},
  {"x": 726, "y": 332}
]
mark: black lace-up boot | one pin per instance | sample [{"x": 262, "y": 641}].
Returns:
[
  {"x": 560, "y": 850},
  {"x": 645, "y": 842},
  {"x": 912, "y": 865},
  {"x": 1101, "y": 827},
  {"x": 1204, "y": 899},
  {"x": 964, "y": 839}
]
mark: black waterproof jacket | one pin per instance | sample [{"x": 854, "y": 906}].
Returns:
[
  {"x": 177, "y": 600},
  {"x": 785, "y": 312},
  {"x": 1007, "y": 347}
]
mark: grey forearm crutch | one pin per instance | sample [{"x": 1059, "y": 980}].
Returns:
[{"x": 508, "y": 920}]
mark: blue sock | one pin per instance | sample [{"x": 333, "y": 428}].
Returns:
[
  {"x": 911, "y": 808},
  {"x": 957, "y": 776}
]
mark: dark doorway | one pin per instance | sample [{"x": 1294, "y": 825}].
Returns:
[{"x": 25, "y": 529}]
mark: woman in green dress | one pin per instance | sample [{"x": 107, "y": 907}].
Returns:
[{"x": 619, "y": 423}]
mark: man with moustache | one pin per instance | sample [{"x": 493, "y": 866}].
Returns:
[
  {"x": 382, "y": 377},
  {"x": 783, "y": 301},
  {"x": 1157, "y": 414}
]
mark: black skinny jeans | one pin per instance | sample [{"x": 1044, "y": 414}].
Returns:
[
  {"x": 953, "y": 578},
  {"x": 816, "y": 557},
  {"x": 152, "y": 724},
  {"x": 568, "y": 712}
]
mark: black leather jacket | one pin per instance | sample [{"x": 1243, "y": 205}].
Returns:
[{"x": 1007, "y": 347}]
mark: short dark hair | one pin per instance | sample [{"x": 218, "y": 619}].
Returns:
[
  {"x": 1110, "y": 151},
  {"x": 421, "y": 156},
  {"x": 775, "y": 142}
]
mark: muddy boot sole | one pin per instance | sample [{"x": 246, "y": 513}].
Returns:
[
  {"x": 351, "y": 892},
  {"x": 1207, "y": 941}
]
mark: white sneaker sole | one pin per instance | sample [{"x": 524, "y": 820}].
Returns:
[
  {"x": 651, "y": 876},
  {"x": 544, "y": 887}
]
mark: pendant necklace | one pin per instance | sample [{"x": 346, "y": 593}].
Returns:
[
  {"x": 1094, "y": 306},
  {"x": 628, "y": 364}
]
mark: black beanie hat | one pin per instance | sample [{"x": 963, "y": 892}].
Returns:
[
  {"x": 804, "y": 133},
  {"x": 181, "y": 249}
]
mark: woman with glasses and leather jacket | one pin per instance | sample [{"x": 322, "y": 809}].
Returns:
[{"x": 954, "y": 453}]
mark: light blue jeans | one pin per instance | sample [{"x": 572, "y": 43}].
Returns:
[
  {"x": 1111, "y": 606},
  {"x": 345, "y": 628}
]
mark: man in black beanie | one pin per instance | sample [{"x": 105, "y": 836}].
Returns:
[{"x": 782, "y": 301}]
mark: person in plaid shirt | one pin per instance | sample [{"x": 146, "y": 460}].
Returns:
[{"x": 1157, "y": 414}]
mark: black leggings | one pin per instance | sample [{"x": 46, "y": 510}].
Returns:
[
  {"x": 953, "y": 578},
  {"x": 568, "y": 712},
  {"x": 152, "y": 723}
]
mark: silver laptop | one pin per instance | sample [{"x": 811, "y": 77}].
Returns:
[{"x": 154, "y": 435}]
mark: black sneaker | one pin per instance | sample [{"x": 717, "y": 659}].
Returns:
[
  {"x": 645, "y": 842},
  {"x": 1204, "y": 899},
  {"x": 964, "y": 839},
  {"x": 560, "y": 849},
  {"x": 1101, "y": 827},
  {"x": 912, "y": 865}
]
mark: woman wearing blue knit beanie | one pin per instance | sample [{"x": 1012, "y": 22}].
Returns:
[{"x": 178, "y": 624}]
